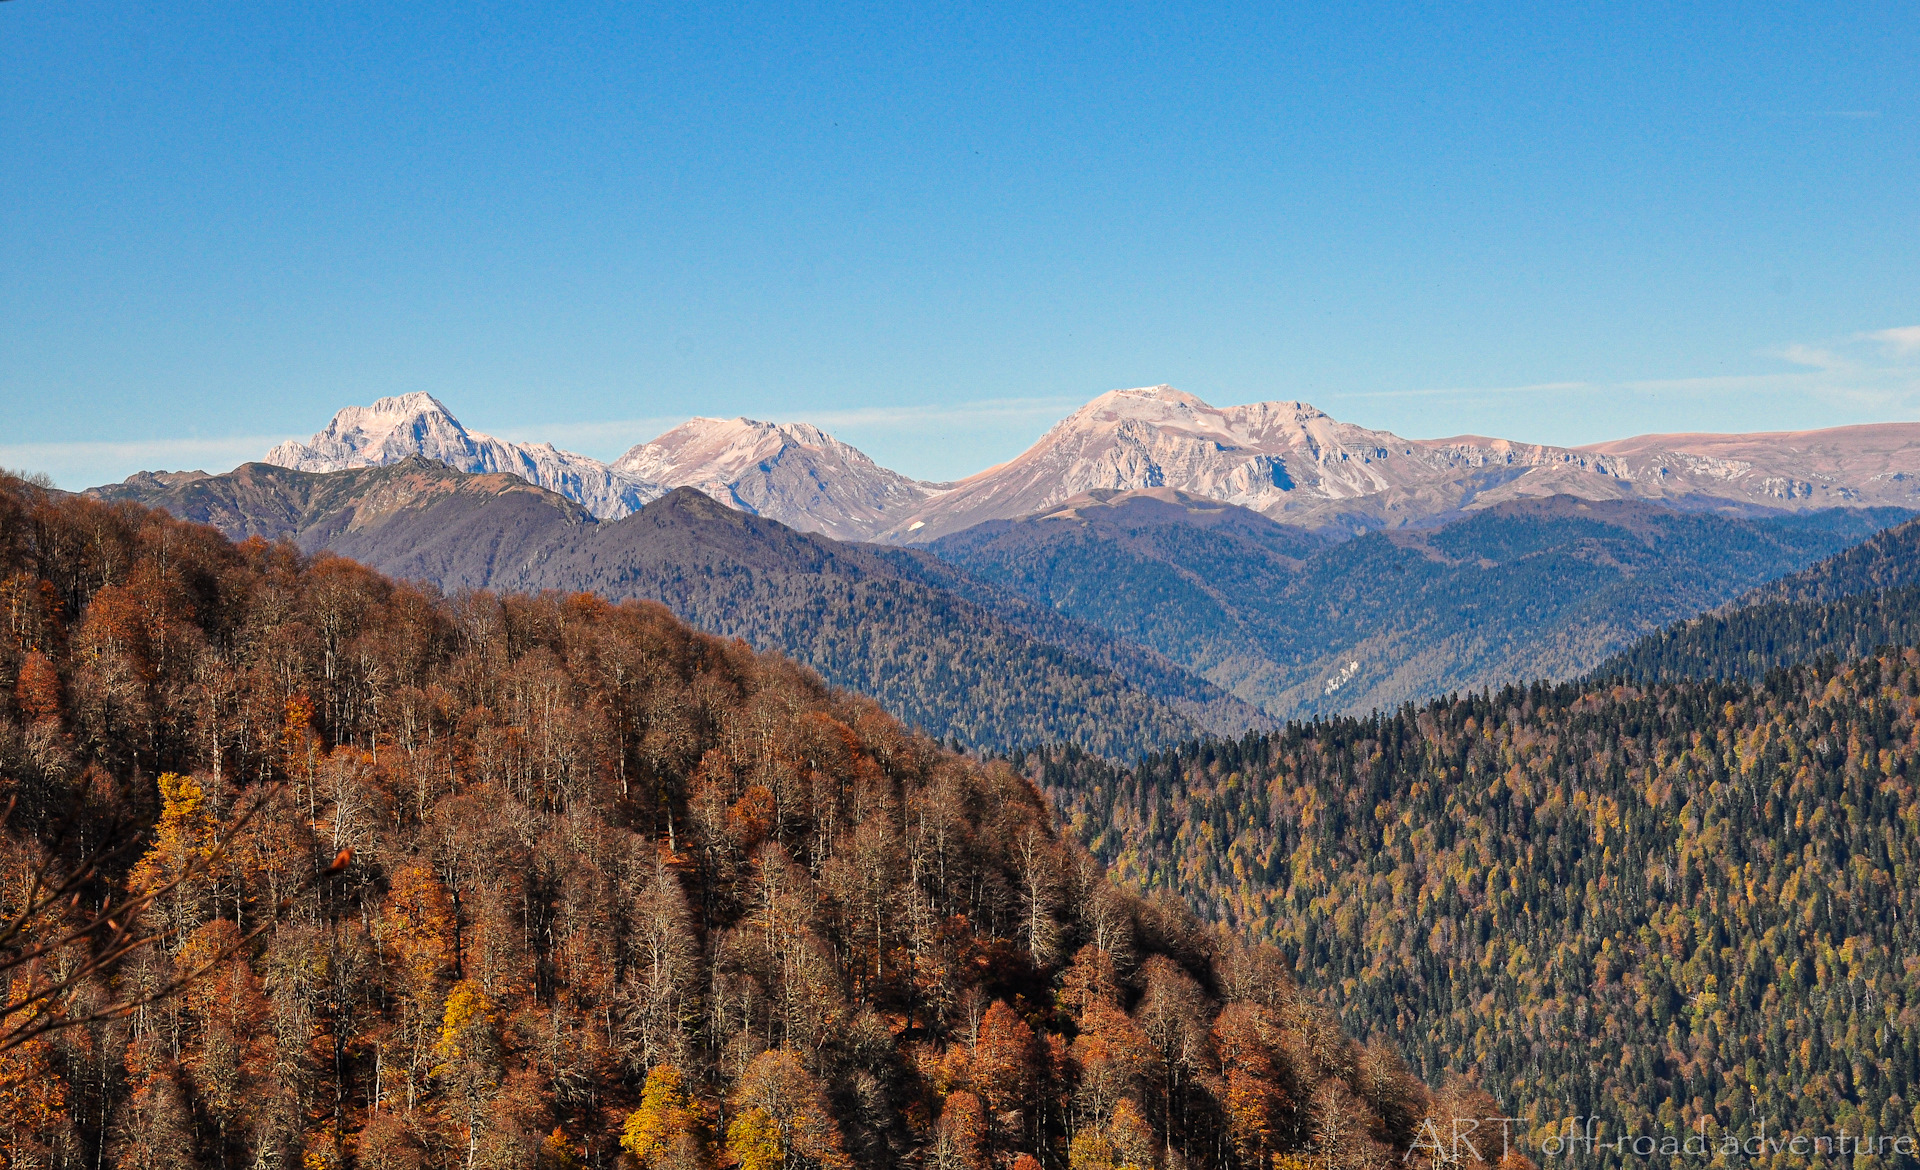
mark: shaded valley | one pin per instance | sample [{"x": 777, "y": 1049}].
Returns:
[{"x": 1303, "y": 626}]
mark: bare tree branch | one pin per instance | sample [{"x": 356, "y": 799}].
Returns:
[{"x": 110, "y": 934}]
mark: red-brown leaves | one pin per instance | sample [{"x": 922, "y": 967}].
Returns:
[
  {"x": 751, "y": 817},
  {"x": 38, "y": 691}
]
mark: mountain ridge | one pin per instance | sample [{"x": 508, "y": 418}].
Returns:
[
  {"x": 393, "y": 429},
  {"x": 1301, "y": 625},
  {"x": 795, "y": 473},
  {"x": 1295, "y": 463},
  {"x": 1845, "y": 607},
  {"x": 1289, "y": 461},
  {"x": 974, "y": 663}
]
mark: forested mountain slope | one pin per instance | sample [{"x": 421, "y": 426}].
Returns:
[
  {"x": 1303, "y": 627},
  {"x": 1844, "y": 607},
  {"x": 604, "y": 891},
  {"x": 1670, "y": 907},
  {"x": 980, "y": 665},
  {"x": 1886, "y": 560}
]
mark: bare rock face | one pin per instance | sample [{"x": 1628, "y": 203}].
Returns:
[
  {"x": 791, "y": 472},
  {"x": 1296, "y": 464},
  {"x": 394, "y": 429},
  {"x": 1287, "y": 461},
  {"x": 1873, "y": 464}
]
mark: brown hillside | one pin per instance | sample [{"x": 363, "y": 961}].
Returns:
[{"x": 601, "y": 880}]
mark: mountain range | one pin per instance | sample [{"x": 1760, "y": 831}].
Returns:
[
  {"x": 393, "y": 429},
  {"x": 1287, "y": 461},
  {"x": 956, "y": 657},
  {"x": 1153, "y": 568},
  {"x": 1119, "y": 622}
]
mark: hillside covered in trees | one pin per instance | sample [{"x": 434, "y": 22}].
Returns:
[
  {"x": 519, "y": 881},
  {"x": 1681, "y": 908},
  {"x": 1304, "y": 627},
  {"x": 1844, "y": 607}
]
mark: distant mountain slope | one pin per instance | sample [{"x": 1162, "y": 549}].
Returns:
[
  {"x": 1302, "y": 626},
  {"x": 1886, "y": 560},
  {"x": 988, "y": 669},
  {"x": 1846, "y": 606},
  {"x": 790, "y": 472},
  {"x": 1292, "y": 462},
  {"x": 393, "y": 429}
]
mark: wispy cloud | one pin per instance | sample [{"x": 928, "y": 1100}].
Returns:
[
  {"x": 1900, "y": 342},
  {"x": 85, "y": 464},
  {"x": 1478, "y": 391},
  {"x": 1813, "y": 357}
]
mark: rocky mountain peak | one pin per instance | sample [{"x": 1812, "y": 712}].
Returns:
[
  {"x": 418, "y": 424},
  {"x": 387, "y": 431},
  {"x": 1155, "y": 405},
  {"x": 795, "y": 473}
]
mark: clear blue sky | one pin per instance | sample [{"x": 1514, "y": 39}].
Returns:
[{"x": 936, "y": 229}]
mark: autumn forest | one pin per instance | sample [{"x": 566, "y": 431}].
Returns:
[{"x": 349, "y": 873}]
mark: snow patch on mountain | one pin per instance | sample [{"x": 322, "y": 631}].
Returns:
[{"x": 393, "y": 429}]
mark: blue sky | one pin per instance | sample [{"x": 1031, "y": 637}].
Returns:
[{"x": 935, "y": 230}]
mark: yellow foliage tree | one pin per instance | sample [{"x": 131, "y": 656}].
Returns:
[
  {"x": 753, "y": 1141},
  {"x": 184, "y": 841},
  {"x": 1091, "y": 1150},
  {"x": 660, "y": 1133},
  {"x": 468, "y": 1057},
  {"x": 33, "y": 1098},
  {"x": 778, "y": 1086}
]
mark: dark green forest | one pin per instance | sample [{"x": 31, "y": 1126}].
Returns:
[
  {"x": 1679, "y": 906},
  {"x": 1304, "y": 627},
  {"x": 1845, "y": 607}
]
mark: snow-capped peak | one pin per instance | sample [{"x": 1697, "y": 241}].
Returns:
[
  {"x": 396, "y": 428},
  {"x": 386, "y": 432},
  {"x": 387, "y": 414}
]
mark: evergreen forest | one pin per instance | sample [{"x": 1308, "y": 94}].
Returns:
[
  {"x": 1679, "y": 908},
  {"x": 1844, "y": 608}
]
